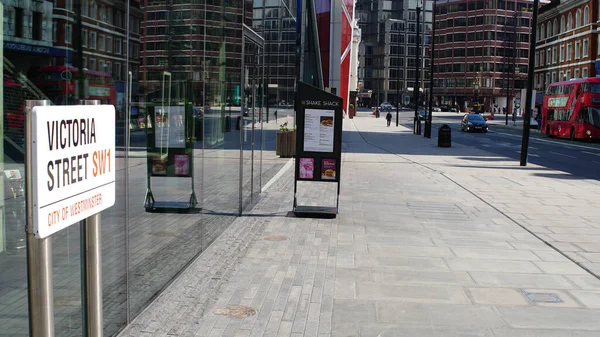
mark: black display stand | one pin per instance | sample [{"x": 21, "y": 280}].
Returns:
[
  {"x": 319, "y": 116},
  {"x": 172, "y": 160}
]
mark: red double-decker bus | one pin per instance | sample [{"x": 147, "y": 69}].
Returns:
[
  {"x": 59, "y": 84},
  {"x": 571, "y": 109}
]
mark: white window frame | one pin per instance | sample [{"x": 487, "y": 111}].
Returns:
[
  {"x": 109, "y": 44},
  {"x": 68, "y": 33},
  {"x": 584, "y": 73},
  {"x": 562, "y": 53},
  {"x": 548, "y": 56},
  {"x": 542, "y": 31},
  {"x": 576, "y": 73},
  {"x": 578, "y": 18},
  {"x": 561, "y": 76},
  {"x": 568, "y": 75},
  {"x": 586, "y": 47},
  {"x": 93, "y": 40},
  {"x": 586, "y": 15},
  {"x": 562, "y": 24},
  {"x": 554, "y": 58},
  {"x": 84, "y": 37},
  {"x": 569, "y": 51},
  {"x": 570, "y": 22},
  {"x": 577, "y": 50}
]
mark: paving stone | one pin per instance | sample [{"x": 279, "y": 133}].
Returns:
[
  {"x": 569, "y": 268},
  {"x": 506, "y": 266},
  {"x": 438, "y": 314},
  {"x": 512, "y": 280},
  {"x": 408, "y": 293},
  {"x": 412, "y": 263},
  {"x": 551, "y": 318},
  {"x": 498, "y": 296},
  {"x": 397, "y": 330},
  {"x": 494, "y": 254},
  {"x": 393, "y": 250},
  {"x": 353, "y": 311},
  {"x": 391, "y": 275},
  {"x": 590, "y": 299},
  {"x": 587, "y": 282}
]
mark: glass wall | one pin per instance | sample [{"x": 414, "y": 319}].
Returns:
[{"x": 193, "y": 145}]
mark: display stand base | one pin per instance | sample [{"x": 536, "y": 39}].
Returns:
[
  {"x": 169, "y": 206},
  {"x": 316, "y": 212}
]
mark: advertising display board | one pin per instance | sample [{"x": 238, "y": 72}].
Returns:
[
  {"x": 170, "y": 149},
  {"x": 319, "y": 117},
  {"x": 73, "y": 162}
]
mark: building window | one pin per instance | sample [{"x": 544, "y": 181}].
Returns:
[
  {"x": 542, "y": 30},
  {"x": 584, "y": 72},
  {"x": 547, "y": 79},
  {"x": 93, "y": 10},
  {"x": 585, "y": 47},
  {"x": 562, "y": 24},
  {"x": 562, "y": 54},
  {"x": 68, "y": 33},
  {"x": 101, "y": 40},
  {"x": 555, "y": 27},
  {"x": 55, "y": 32},
  {"x": 554, "y": 55},
  {"x": 85, "y": 8},
  {"x": 549, "y": 29},
  {"x": 541, "y": 58},
  {"x": 92, "y": 65},
  {"x": 576, "y": 74},
  {"x": 109, "y": 44},
  {"x": 553, "y": 76},
  {"x": 586, "y": 15},
  {"x": 117, "y": 46},
  {"x": 568, "y": 75},
  {"x": 578, "y": 18},
  {"x": 569, "y": 52},
  {"x": 85, "y": 62},
  {"x": 548, "y": 56},
  {"x": 92, "y": 41},
  {"x": 36, "y": 26},
  {"x": 84, "y": 37},
  {"x": 102, "y": 13},
  {"x": 109, "y": 13},
  {"x": 577, "y": 50},
  {"x": 570, "y": 22},
  {"x": 117, "y": 74},
  {"x": 560, "y": 76}
]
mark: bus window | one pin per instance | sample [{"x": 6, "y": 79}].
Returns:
[
  {"x": 592, "y": 87},
  {"x": 592, "y": 117}
]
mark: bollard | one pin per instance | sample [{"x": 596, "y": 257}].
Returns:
[
  {"x": 227, "y": 124},
  {"x": 237, "y": 123},
  {"x": 444, "y": 136}
]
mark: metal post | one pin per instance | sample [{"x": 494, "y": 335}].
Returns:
[
  {"x": 92, "y": 268},
  {"x": 417, "y": 123},
  {"x": 527, "y": 116},
  {"x": 432, "y": 59},
  {"x": 398, "y": 82},
  {"x": 242, "y": 98},
  {"x": 39, "y": 251}
]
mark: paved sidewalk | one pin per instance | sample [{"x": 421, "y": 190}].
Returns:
[{"x": 418, "y": 249}]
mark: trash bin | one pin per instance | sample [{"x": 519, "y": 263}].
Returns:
[
  {"x": 227, "y": 124},
  {"x": 238, "y": 122},
  {"x": 444, "y": 136},
  {"x": 199, "y": 128}
]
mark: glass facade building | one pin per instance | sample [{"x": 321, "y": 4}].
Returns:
[{"x": 145, "y": 57}]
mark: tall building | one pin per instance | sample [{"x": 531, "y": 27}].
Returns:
[
  {"x": 275, "y": 21},
  {"x": 567, "y": 42},
  {"x": 388, "y": 50},
  {"x": 474, "y": 63}
]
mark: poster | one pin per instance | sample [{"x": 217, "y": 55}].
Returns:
[
  {"x": 170, "y": 127},
  {"x": 307, "y": 168},
  {"x": 328, "y": 170},
  {"x": 159, "y": 167},
  {"x": 182, "y": 165},
  {"x": 318, "y": 130}
]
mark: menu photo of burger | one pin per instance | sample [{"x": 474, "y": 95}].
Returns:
[
  {"x": 327, "y": 121},
  {"x": 328, "y": 169},
  {"x": 159, "y": 167}
]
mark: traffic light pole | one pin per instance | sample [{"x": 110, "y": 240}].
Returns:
[{"x": 527, "y": 116}]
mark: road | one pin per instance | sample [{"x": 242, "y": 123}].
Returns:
[{"x": 580, "y": 159}]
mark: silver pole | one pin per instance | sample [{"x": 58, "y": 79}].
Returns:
[
  {"x": 242, "y": 88},
  {"x": 92, "y": 267},
  {"x": 39, "y": 251}
]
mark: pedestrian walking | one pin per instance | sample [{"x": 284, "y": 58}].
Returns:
[{"x": 388, "y": 117}]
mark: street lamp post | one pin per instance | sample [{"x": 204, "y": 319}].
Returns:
[
  {"x": 398, "y": 100},
  {"x": 530, "y": 71},
  {"x": 417, "y": 124},
  {"x": 432, "y": 58}
]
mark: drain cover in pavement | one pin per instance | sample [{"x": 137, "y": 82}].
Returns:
[
  {"x": 543, "y": 298},
  {"x": 164, "y": 234},
  {"x": 276, "y": 238},
  {"x": 235, "y": 311}
]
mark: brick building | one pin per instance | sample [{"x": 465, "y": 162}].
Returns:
[
  {"x": 481, "y": 51},
  {"x": 567, "y": 41}
]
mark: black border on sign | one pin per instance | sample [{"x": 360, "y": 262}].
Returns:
[{"x": 309, "y": 97}]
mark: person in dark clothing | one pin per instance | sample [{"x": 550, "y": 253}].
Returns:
[{"x": 388, "y": 117}]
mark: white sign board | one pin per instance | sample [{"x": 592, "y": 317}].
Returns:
[
  {"x": 318, "y": 130},
  {"x": 73, "y": 164}
]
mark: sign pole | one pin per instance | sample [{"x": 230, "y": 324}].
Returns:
[
  {"x": 92, "y": 268},
  {"x": 39, "y": 251}
]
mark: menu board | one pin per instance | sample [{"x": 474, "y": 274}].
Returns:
[
  {"x": 182, "y": 165},
  {"x": 328, "y": 170},
  {"x": 170, "y": 127},
  {"x": 318, "y": 130},
  {"x": 307, "y": 168}
]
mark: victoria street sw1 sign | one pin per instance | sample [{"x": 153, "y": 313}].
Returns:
[{"x": 73, "y": 164}]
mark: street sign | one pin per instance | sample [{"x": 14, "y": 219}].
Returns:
[{"x": 73, "y": 162}]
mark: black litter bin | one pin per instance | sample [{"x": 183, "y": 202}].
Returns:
[
  {"x": 444, "y": 136},
  {"x": 238, "y": 122},
  {"x": 199, "y": 128},
  {"x": 227, "y": 124}
]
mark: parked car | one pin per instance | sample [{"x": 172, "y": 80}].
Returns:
[
  {"x": 386, "y": 106},
  {"x": 436, "y": 109},
  {"x": 473, "y": 123}
]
